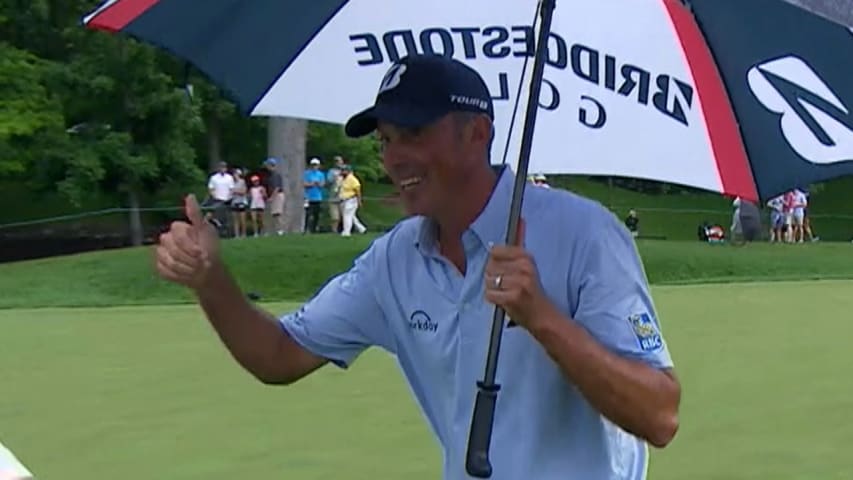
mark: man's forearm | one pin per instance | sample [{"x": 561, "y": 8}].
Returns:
[
  {"x": 635, "y": 396},
  {"x": 252, "y": 335}
]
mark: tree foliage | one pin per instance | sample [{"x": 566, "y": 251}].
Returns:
[
  {"x": 326, "y": 140},
  {"x": 30, "y": 117}
]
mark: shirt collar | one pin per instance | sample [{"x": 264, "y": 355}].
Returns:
[{"x": 489, "y": 227}]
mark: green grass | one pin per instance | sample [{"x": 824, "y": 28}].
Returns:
[
  {"x": 284, "y": 268},
  {"x": 148, "y": 392}
]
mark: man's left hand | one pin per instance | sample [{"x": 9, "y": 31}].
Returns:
[{"x": 512, "y": 283}]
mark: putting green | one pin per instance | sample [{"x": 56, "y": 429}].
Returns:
[{"x": 148, "y": 392}]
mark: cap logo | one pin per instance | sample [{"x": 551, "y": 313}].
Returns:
[
  {"x": 470, "y": 101},
  {"x": 392, "y": 77}
]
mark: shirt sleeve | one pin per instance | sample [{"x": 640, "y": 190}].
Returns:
[
  {"x": 614, "y": 303},
  {"x": 345, "y": 317}
]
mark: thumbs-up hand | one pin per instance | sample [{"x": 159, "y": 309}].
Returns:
[{"x": 187, "y": 252}]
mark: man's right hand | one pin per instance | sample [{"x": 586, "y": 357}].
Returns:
[{"x": 188, "y": 251}]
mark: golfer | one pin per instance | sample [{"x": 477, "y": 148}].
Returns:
[{"x": 586, "y": 376}]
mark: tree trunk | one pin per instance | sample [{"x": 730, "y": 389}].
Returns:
[
  {"x": 286, "y": 138},
  {"x": 135, "y": 218},
  {"x": 214, "y": 143}
]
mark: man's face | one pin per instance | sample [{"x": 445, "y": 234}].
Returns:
[
  {"x": 223, "y": 167},
  {"x": 428, "y": 164}
]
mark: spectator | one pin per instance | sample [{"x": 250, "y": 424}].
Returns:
[
  {"x": 632, "y": 222},
  {"x": 807, "y": 222},
  {"x": 350, "y": 201},
  {"x": 798, "y": 207},
  {"x": 239, "y": 203},
  {"x": 540, "y": 180},
  {"x": 275, "y": 191},
  {"x": 314, "y": 181},
  {"x": 749, "y": 220},
  {"x": 257, "y": 198},
  {"x": 219, "y": 188},
  {"x": 788, "y": 209},
  {"x": 736, "y": 228},
  {"x": 333, "y": 182},
  {"x": 777, "y": 218}
]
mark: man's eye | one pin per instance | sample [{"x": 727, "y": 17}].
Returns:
[{"x": 412, "y": 133}]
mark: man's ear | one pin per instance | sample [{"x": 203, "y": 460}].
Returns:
[{"x": 482, "y": 130}]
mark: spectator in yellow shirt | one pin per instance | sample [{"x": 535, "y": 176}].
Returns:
[{"x": 350, "y": 201}]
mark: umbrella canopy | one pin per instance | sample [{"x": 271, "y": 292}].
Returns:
[{"x": 631, "y": 87}]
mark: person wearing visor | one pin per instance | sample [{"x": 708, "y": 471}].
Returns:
[{"x": 587, "y": 381}]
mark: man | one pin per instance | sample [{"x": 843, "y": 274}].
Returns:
[
  {"x": 540, "y": 180},
  {"x": 275, "y": 190},
  {"x": 220, "y": 186},
  {"x": 314, "y": 180},
  {"x": 632, "y": 223},
  {"x": 777, "y": 217},
  {"x": 333, "y": 181},
  {"x": 749, "y": 220},
  {"x": 736, "y": 228},
  {"x": 351, "y": 201},
  {"x": 587, "y": 362},
  {"x": 798, "y": 207}
]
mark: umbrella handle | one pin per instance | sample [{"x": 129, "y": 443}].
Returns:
[{"x": 477, "y": 462}]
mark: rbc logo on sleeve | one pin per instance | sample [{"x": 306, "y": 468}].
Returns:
[{"x": 646, "y": 332}]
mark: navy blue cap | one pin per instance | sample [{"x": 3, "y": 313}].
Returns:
[{"x": 420, "y": 89}]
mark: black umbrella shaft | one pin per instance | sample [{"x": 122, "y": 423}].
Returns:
[{"x": 477, "y": 461}]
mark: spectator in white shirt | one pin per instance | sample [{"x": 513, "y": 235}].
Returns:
[
  {"x": 798, "y": 214},
  {"x": 220, "y": 187}
]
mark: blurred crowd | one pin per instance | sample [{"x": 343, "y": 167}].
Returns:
[{"x": 241, "y": 203}]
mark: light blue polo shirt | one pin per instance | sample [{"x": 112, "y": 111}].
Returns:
[
  {"x": 402, "y": 296},
  {"x": 314, "y": 194}
]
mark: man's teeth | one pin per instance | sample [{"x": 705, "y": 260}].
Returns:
[{"x": 410, "y": 182}]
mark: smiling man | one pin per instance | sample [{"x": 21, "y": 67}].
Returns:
[{"x": 586, "y": 376}]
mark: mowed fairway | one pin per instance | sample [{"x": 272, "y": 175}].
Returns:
[{"x": 148, "y": 392}]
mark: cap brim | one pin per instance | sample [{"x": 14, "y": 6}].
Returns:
[{"x": 364, "y": 122}]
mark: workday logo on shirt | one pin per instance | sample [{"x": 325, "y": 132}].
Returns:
[{"x": 420, "y": 322}]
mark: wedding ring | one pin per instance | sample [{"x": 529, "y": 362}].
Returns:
[{"x": 498, "y": 281}]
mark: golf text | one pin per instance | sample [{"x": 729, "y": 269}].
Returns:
[{"x": 668, "y": 95}]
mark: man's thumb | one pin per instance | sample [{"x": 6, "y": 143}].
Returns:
[{"x": 193, "y": 211}]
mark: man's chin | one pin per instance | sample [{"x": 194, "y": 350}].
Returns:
[{"x": 412, "y": 209}]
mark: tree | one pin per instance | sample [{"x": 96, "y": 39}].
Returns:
[
  {"x": 30, "y": 117},
  {"x": 286, "y": 142},
  {"x": 136, "y": 124},
  {"x": 327, "y": 140}
]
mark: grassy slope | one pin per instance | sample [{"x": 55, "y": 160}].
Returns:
[
  {"x": 143, "y": 393},
  {"x": 288, "y": 268}
]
